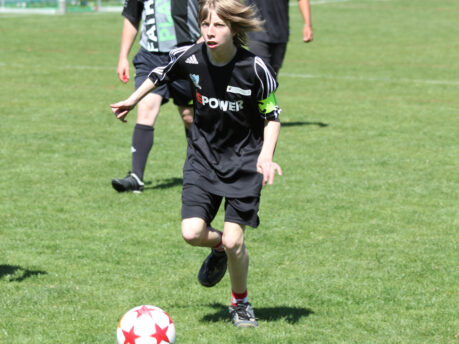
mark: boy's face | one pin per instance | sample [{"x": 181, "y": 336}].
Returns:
[{"x": 216, "y": 32}]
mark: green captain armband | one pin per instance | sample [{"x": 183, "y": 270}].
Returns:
[{"x": 268, "y": 107}]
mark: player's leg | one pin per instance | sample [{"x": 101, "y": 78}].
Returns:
[
  {"x": 187, "y": 114},
  {"x": 238, "y": 257},
  {"x": 198, "y": 210},
  {"x": 143, "y": 135},
  {"x": 238, "y": 214},
  {"x": 261, "y": 49},
  {"x": 142, "y": 142},
  {"x": 277, "y": 53},
  {"x": 181, "y": 92},
  {"x": 147, "y": 112},
  {"x": 271, "y": 53}
]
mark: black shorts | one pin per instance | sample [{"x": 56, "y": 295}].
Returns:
[
  {"x": 197, "y": 202},
  {"x": 180, "y": 90},
  {"x": 271, "y": 53}
]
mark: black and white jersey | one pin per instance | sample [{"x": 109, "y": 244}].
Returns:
[
  {"x": 275, "y": 15},
  {"x": 166, "y": 24},
  {"x": 231, "y": 104}
]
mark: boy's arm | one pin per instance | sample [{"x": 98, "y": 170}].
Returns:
[
  {"x": 122, "y": 108},
  {"x": 305, "y": 10},
  {"x": 265, "y": 164}
]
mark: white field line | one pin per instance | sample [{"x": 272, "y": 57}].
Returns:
[
  {"x": 118, "y": 9},
  {"x": 322, "y": 2},
  {"x": 325, "y": 2},
  {"x": 64, "y": 67},
  {"x": 286, "y": 75},
  {"x": 9, "y": 11},
  {"x": 317, "y": 2},
  {"x": 370, "y": 79}
]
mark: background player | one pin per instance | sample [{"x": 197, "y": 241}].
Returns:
[
  {"x": 231, "y": 143},
  {"x": 271, "y": 44},
  {"x": 166, "y": 24}
]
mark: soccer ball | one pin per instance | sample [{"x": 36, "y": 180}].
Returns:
[{"x": 145, "y": 325}]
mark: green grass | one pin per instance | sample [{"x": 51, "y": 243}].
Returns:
[{"x": 358, "y": 238}]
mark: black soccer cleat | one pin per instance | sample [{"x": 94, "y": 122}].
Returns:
[
  {"x": 243, "y": 315},
  {"x": 130, "y": 183},
  {"x": 213, "y": 268}
]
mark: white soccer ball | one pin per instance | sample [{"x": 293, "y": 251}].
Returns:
[{"x": 145, "y": 325}]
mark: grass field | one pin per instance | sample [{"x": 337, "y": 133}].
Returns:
[{"x": 358, "y": 238}]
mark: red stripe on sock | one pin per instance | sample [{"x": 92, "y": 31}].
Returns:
[
  {"x": 238, "y": 298},
  {"x": 220, "y": 243}
]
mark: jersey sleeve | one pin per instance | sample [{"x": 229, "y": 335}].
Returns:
[
  {"x": 267, "y": 85},
  {"x": 132, "y": 10},
  {"x": 170, "y": 72}
]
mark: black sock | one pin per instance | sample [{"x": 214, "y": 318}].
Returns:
[{"x": 142, "y": 141}]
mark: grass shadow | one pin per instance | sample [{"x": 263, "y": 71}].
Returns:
[
  {"x": 164, "y": 184},
  {"x": 297, "y": 124},
  {"x": 290, "y": 314},
  {"x": 15, "y": 273}
]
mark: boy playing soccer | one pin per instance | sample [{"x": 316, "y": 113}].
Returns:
[{"x": 231, "y": 143}]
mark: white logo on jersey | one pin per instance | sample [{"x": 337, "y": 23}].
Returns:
[
  {"x": 192, "y": 60},
  {"x": 195, "y": 79},
  {"x": 234, "y": 89},
  {"x": 133, "y": 150},
  {"x": 224, "y": 105}
]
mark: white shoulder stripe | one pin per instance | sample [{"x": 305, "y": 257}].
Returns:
[
  {"x": 267, "y": 81},
  {"x": 180, "y": 50},
  {"x": 174, "y": 55}
]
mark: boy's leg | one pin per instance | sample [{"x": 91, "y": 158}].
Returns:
[
  {"x": 181, "y": 92},
  {"x": 187, "y": 114},
  {"x": 238, "y": 257},
  {"x": 239, "y": 212},
  {"x": 241, "y": 311},
  {"x": 199, "y": 208},
  {"x": 196, "y": 232}
]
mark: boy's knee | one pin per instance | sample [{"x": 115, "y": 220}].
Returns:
[
  {"x": 187, "y": 121},
  {"x": 187, "y": 116},
  {"x": 191, "y": 236},
  {"x": 192, "y": 232},
  {"x": 233, "y": 246}
]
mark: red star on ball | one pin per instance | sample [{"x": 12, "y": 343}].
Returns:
[
  {"x": 144, "y": 310},
  {"x": 160, "y": 334},
  {"x": 170, "y": 320},
  {"x": 130, "y": 337}
]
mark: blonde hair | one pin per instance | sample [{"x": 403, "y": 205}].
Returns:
[{"x": 239, "y": 17}]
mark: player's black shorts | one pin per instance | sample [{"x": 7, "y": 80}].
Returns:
[
  {"x": 271, "y": 53},
  {"x": 197, "y": 202},
  {"x": 180, "y": 90}
]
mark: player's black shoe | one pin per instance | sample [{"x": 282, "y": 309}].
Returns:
[
  {"x": 213, "y": 268},
  {"x": 243, "y": 315},
  {"x": 129, "y": 183}
]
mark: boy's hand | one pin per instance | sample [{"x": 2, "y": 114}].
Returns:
[
  {"x": 268, "y": 170},
  {"x": 121, "y": 109}
]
